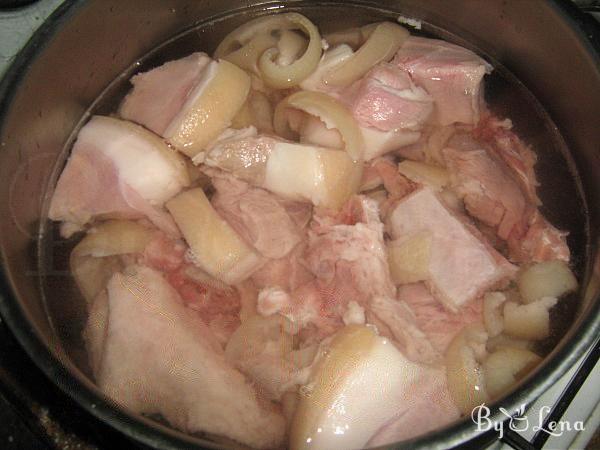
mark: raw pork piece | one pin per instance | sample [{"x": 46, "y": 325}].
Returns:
[
  {"x": 272, "y": 226},
  {"x": 159, "y": 94},
  {"x": 293, "y": 171},
  {"x": 452, "y": 75},
  {"x": 164, "y": 254},
  {"x": 541, "y": 242},
  {"x": 439, "y": 325},
  {"x": 347, "y": 262},
  {"x": 383, "y": 171},
  {"x": 154, "y": 356},
  {"x": 243, "y": 153},
  {"x": 387, "y": 100},
  {"x": 378, "y": 389},
  {"x": 201, "y": 97},
  {"x": 461, "y": 266},
  {"x": 217, "y": 304},
  {"x": 307, "y": 309},
  {"x": 507, "y": 146},
  {"x": 117, "y": 169},
  {"x": 498, "y": 183},
  {"x": 395, "y": 319},
  {"x": 489, "y": 192},
  {"x": 347, "y": 254},
  {"x": 427, "y": 406},
  {"x": 396, "y": 185},
  {"x": 429, "y": 147},
  {"x": 377, "y": 142},
  {"x": 287, "y": 273}
]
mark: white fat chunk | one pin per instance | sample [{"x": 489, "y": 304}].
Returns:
[
  {"x": 140, "y": 163},
  {"x": 207, "y": 77},
  {"x": 295, "y": 171},
  {"x": 355, "y": 314}
]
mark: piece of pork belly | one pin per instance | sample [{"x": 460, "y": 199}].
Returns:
[
  {"x": 427, "y": 406},
  {"x": 304, "y": 173},
  {"x": 153, "y": 355},
  {"x": 387, "y": 99},
  {"x": 489, "y": 192},
  {"x": 159, "y": 94},
  {"x": 461, "y": 265},
  {"x": 117, "y": 169},
  {"x": 260, "y": 217},
  {"x": 439, "y": 325},
  {"x": 200, "y": 97},
  {"x": 452, "y": 75}
]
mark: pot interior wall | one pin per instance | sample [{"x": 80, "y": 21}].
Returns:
[{"x": 84, "y": 68}]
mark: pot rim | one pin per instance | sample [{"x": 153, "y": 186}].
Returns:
[{"x": 63, "y": 373}]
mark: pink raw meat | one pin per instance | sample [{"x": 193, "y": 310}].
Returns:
[
  {"x": 218, "y": 305},
  {"x": 439, "y": 325},
  {"x": 489, "y": 192},
  {"x": 506, "y": 145},
  {"x": 462, "y": 266},
  {"x": 452, "y": 75},
  {"x": 541, "y": 242},
  {"x": 260, "y": 217},
  {"x": 388, "y": 100},
  {"x": 159, "y": 94},
  {"x": 287, "y": 273},
  {"x": 93, "y": 184},
  {"x": 350, "y": 260}
]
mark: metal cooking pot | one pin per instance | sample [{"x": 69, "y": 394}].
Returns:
[{"x": 85, "y": 45}]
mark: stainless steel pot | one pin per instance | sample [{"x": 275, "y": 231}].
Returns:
[{"x": 85, "y": 45}]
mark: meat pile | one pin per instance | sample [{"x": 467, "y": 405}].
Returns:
[{"x": 441, "y": 175}]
